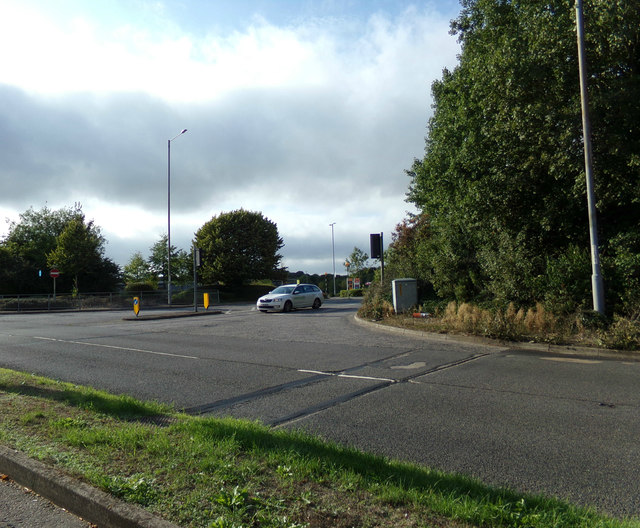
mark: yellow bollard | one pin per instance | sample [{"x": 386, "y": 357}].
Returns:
[
  {"x": 206, "y": 301},
  {"x": 136, "y": 305}
]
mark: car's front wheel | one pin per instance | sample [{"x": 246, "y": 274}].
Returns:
[
  {"x": 288, "y": 306},
  {"x": 316, "y": 303}
]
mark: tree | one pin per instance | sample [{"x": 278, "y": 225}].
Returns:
[
  {"x": 405, "y": 255},
  {"x": 11, "y": 267},
  {"x": 103, "y": 276},
  {"x": 238, "y": 246},
  {"x": 78, "y": 249},
  {"x": 137, "y": 270},
  {"x": 358, "y": 262},
  {"x": 29, "y": 241},
  {"x": 181, "y": 262},
  {"x": 502, "y": 179},
  {"x": 36, "y": 236}
]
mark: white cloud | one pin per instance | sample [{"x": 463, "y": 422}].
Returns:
[{"x": 308, "y": 123}]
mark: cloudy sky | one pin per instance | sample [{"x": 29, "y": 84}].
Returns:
[{"x": 307, "y": 111}]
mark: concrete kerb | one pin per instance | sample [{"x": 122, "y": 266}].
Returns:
[
  {"x": 89, "y": 503},
  {"x": 588, "y": 352},
  {"x": 152, "y": 316}
]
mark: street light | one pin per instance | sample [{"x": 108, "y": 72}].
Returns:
[
  {"x": 333, "y": 254},
  {"x": 596, "y": 277},
  {"x": 169, "y": 215}
]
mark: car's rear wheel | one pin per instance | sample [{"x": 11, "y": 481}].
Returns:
[
  {"x": 316, "y": 303},
  {"x": 287, "y": 306}
]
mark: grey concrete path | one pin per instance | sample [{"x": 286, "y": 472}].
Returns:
[{"x": 21, "y": 507}]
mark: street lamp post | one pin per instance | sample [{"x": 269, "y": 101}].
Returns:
[
  {"x": 169, "y": 215},
  {"x": 333, "y": 254},
  {"x": 596, "y": 277}
]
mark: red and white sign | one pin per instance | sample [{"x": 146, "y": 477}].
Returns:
[{"x": 54, "y": 273}]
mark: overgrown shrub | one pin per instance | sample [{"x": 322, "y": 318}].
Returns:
[
  {"x": 621, "y": 271},
  {"x": 376, "y": 309},
  {"x": 511, "y": 323},
  {"x": 566, "y": 285},
  {"x": 351, "y": 293},
  {"x": 377, "y": 302},
  {"x": 623, "y": 334},
  {"x": 140, "y": 286}
]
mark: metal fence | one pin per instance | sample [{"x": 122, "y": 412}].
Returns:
[{"x": 101, "y": 300}]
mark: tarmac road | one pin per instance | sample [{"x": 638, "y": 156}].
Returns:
[
  {"x": 535, "y": 421},
  {"x": 21, "y": 508}
]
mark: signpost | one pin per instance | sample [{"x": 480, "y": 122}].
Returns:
[
  {"x": 197, "y": 262},
  {"x": 54, "y": 274},
  {"x": 349, "y": 284}
]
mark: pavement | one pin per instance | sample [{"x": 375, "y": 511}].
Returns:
[
  {"x": 20, "y": 506},
  {"x": 86, "y": 502},
  {"x": 81, "y": 505}
]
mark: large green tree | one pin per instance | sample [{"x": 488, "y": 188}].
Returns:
[
  {"x": 29, "y": 241},
  {"x": 36, "y": 236},
  {"x": 12, "y": 268},
  {"x": 405, "y": 257},
  {"x": 238, "y": 246},
  {"x": 78, "y": 249},
  {"x": 137, "y": 269},
  {"x": 181, "y": 262},
  {"x": 502, "y": 179}
]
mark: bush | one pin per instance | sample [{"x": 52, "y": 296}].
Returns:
[
  {"x": 623, "y": 334},
  {"x": 351, "y": 293},
  {"x": 140, "y": 286},
  {"x": 377, "y": 303},
  {"x": 376, "y": 309},
  {"x": 566, "y": 285},
  {"x": 511, "y": 323}
]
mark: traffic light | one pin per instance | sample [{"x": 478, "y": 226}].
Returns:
[{"x": 376, "y": 245}]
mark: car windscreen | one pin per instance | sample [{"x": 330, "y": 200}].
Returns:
[{"x": 283, "y": 289}]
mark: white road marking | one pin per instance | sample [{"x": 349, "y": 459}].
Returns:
[
  {"x": 572, "y": 360},
  {"x": 319, "y": 372},
  {"x": 414, "y": 365},
  {"x": 115, "y": 347}
]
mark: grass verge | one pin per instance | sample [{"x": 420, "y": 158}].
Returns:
[
  {"x": 224, "y": 473},
  {"x": 534, "y": 324}
]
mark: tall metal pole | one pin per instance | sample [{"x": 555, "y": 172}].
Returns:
[
  {"x": 169, "y": 215},
  {"x": 333, "y": 254},
  {"x": 596, "y": 277},
  {"x": 169, "y": 222},
  {"x": 195, "y": 278},
  {"x": 381, "y": 259}
]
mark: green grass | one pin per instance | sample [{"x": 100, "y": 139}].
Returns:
[{"x": 224, "y": 473}]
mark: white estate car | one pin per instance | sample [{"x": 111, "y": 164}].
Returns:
[{"x": 291, "y": 296}]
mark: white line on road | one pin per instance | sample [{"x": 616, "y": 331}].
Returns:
[
  {"x": 115, "y": 347},
  {"x": 344, "y": 375},
  {"x": 572, "y": 360}
]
